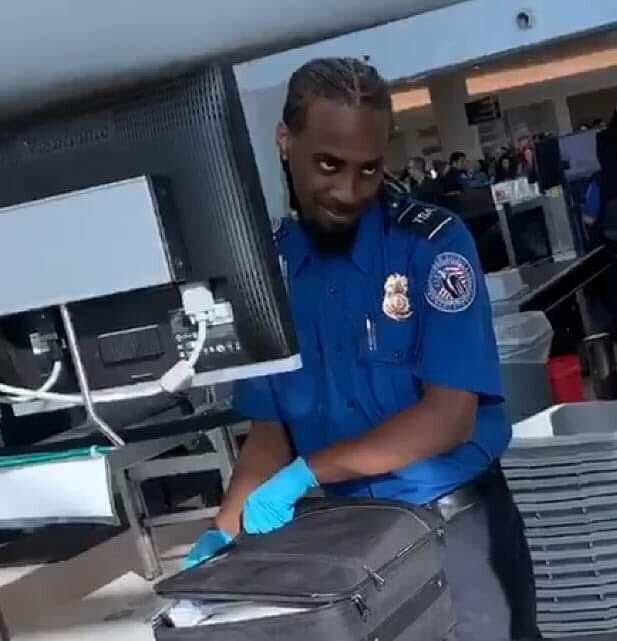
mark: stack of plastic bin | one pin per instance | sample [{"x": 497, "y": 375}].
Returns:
[{"x": 565, "y": 483}]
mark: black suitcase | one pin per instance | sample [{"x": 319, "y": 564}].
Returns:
[{"x": 349, "y": 571}]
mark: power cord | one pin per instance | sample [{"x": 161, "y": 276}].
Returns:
[
  {"x": 48, "y": 385},
  {"x": 199, "y": 306}
]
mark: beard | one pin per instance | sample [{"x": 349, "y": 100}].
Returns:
[
  {"x": 336, "y": 240},
  {"x": 332, "y": 240}
]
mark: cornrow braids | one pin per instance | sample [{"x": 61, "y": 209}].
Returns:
[{"x": 345, "y": 80}]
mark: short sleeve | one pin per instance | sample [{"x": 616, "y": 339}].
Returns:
[
  {"x": 592, "y": 201},
  {"x": 254, "y": 399},
  {"x": 457, "y": 347}
]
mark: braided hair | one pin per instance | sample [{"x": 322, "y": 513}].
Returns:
[{"x": 345, "y": 80}]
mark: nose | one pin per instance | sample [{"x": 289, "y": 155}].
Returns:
[{"x": 346, "y": 192}]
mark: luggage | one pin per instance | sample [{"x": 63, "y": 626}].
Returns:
[{"x": 341, "y": 571}]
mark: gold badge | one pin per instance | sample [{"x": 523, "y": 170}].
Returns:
[{"x": 396, "y": 300}]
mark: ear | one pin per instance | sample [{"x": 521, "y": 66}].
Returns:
[{"x": 283, "y": 136}]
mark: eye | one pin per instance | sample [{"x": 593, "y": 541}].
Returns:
[
  {"x": 369, "y": 171},
  {"x": 327, "y": 167}
]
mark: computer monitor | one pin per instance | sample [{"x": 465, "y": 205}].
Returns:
[
  {"x": 189, "y": 138},
  {"x": 549, "y": 164},
  {"x": 579, "y": 155}
]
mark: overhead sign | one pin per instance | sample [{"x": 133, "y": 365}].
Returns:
[{"x": 485, "y": 109}]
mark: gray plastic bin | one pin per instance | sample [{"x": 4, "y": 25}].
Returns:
[{"x": 524, "y": 344}]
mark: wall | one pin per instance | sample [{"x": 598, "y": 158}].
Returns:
[
  {"x": 409, "y": 122},
  {"x": 262, "y": 110},
  {"x": 397, "y": 156},
  {"x": 587, "y": 107},
  {"x": 556, "y": 90}
]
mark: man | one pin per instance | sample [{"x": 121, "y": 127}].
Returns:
[
  {"x": 421, "y": 185},
  {"x": 457, "y": 178},
  {"x": 600, "y": 213},
  {"x": 399, "y": 395},
  {"x": 606, "y": 144}
]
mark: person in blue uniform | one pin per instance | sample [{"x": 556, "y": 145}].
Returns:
[
  {"x": 592, "y": 212},
  {"x": 399, "y": 396},
  {"x": 457, "y": 178}
]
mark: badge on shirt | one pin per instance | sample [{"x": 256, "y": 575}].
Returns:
[
  {"x": 451, "y": 283},
  {"x": 396, "y": 303}
]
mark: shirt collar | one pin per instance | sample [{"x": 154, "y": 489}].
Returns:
[
  {"x": 368, "y": 238},
  {"x": 295, "y": 246},
  {"x": 298, "y": 249}
]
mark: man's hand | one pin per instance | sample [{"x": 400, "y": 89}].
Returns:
[
  {"x": 272, "y": 504},
  {"x": 208, "y": 544},
  {"x": 266, "y": 451}
]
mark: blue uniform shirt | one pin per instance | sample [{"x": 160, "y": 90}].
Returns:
[
  {"x": 361, "y": 366},
  {"x": 593, "y": 200}
]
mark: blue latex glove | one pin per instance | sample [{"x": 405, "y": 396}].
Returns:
[
  {"x": 208, "y": 544},
  {"x": 272, "y": 504}
]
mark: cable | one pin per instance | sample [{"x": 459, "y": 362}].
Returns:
[
  {"x": 197, "y": 302},
  {"x": 144, "y": 390},
  {"x": 14, "y": 394},
  {"x": 200, "y": 342},
  {"x": 56, "y": 370},
  {"x": 82, "y": 379},
  {"x": 49, "y": 384},
  {"x": 199, "y": 306}
]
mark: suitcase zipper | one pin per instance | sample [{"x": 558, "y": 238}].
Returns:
[
  {"x": 359, "y": 601},
  {"x": 362, "y": 606},
  {"x": 377, "y": 575},
  {"x": 359, "y": 506},
  {"x": 378, "y": 580}
]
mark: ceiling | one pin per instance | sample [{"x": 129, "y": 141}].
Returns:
[
  {"x": 576, "y": 46},
  {"x": 571, "y": 47},
  {"x": 56, "y": 49}
]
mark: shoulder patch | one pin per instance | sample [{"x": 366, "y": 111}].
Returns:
[
  {"x": 451, "y": 285},
  {"x": 423, "y": 219}
]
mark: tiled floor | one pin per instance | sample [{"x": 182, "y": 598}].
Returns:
[{"x": 98, "y": 595}]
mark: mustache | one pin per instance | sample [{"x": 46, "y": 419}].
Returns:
[{"x": 342, "y": 209}]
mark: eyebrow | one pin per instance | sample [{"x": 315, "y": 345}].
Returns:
[
  {"x": 375, "y": 161},
  {"x": 324, "y": 155}
]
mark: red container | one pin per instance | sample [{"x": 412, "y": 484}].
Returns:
[{"x": 566, "y": 379}]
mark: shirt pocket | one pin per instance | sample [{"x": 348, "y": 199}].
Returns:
[{"x": 387, "y": 358}]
